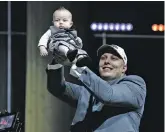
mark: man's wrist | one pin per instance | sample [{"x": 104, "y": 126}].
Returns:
[{"x": 77, "y": 71}]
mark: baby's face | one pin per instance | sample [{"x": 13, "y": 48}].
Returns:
[{"x": 63, "y": 19}]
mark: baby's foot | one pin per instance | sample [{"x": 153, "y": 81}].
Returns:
[
  {"x": 71, "y": 55},
  {"x": 85, "y": 61}
]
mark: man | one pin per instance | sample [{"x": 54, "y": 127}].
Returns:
[{"x": 113, "y": 102}]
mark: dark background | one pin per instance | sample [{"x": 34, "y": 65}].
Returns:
[{"x": 145, "y": 56}]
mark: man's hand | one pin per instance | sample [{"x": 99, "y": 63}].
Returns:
[
  {"x": 58, "y": 57},
  {"x": 76, "y": 71},
  {"x": 53, "y": 65}
]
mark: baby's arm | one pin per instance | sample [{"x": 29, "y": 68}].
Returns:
[
  {"x": 80, "y": 42},
  {"x": 43, "y": 43}
]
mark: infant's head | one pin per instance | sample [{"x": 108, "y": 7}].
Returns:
[{"x": 62, "y": 18}]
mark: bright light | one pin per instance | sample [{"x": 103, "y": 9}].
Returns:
[
  {"x": 111, "y": 26},
  {"x": 94, "y": 26},
  {"x": 100, "y": 26},
  {"x": 158, "y": 27},
  {"x": 122, "y": 27},
  {"x": 154, "y": 27},
  {"x": 117, "y": 26},
  {"x": 129, "y": 27},
  {"x": 161, "y": 27},
  {"x": 105, "y": 26}
]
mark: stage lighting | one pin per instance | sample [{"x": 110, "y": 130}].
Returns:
[
  {"x": 94, "y": 26},
  {"x": 154, "y": 27},
  {"x": 129, "y": 27},
  {"x": 123, "y": 27},
  {"x": 100, "y": 26},
  {"x": 111, "y": 27},
  {"x": 157, "y": 27},
  {"x": 117, "y": 27},
  {"x": 105, "y": 26},
  {"x": 161, "y": 27}
]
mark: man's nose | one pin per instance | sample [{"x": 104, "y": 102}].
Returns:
[{"x": 107, "y": 61}]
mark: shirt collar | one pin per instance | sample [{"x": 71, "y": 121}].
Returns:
[{"x": 111, "y": 82}]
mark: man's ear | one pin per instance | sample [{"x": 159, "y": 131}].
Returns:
[{"x": 124, "y": 68}]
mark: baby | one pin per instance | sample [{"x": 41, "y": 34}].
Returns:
[{"x": 63, "y": 40}]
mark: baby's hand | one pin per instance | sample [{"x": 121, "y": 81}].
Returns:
[
  {"x": 79, "y": 40},
  {"x": 43, "y": 51}
]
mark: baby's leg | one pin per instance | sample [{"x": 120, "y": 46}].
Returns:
[
  {"x": 70, "y": 54},
  {"x": 81, "y": 54},
  {"x": 64, "y": 49}
]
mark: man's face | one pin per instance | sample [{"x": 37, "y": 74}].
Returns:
[
  {"x": 111, "y": 66},
  {"x": 63, "y": 19}
]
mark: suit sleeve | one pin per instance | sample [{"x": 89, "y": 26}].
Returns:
[
  {"x": 128, "y": 92},
  {"x": 57, "y": 86}
]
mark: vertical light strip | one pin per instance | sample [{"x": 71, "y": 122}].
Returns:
[
  {"x": 104, "y": 38},
  {"x": 9, "y": 57}
]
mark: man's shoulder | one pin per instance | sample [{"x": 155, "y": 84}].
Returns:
[{"x": 134, "y": 78}]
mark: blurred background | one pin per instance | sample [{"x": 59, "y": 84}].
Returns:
[{"x": 138, "y": 27}]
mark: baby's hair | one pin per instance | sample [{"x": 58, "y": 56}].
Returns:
[{"x": 61, "y": 8}]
